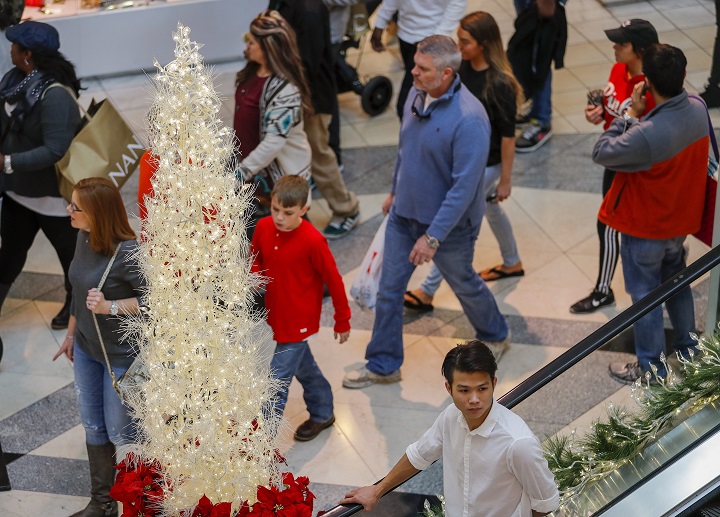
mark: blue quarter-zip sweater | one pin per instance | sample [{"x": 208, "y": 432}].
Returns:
[{"x": 442, "y": 153}]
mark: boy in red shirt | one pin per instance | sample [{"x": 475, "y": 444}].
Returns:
[{"x": 297, "y": 260}]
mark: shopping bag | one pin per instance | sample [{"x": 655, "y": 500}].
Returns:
[
  {"x": 104, "y": 147},
  {"x": 705, "y": 233},
  {"x": 365, "y": 287}
]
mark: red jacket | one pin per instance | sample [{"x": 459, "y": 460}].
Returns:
[{"x": 297, "y": 264}]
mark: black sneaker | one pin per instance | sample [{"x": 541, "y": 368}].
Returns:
[
  {"x": 341, "y": 226},
  {"x": 533, "y": 137},
  {"x": 711, "y": 96},
  {"x": 591, "y": 303}
]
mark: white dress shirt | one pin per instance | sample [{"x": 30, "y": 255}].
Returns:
[
  {"x": 418, "y": 19},
  {"x": 497, "y": 470}
]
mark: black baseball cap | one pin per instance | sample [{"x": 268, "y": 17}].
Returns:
[
  {"x": 34, "y": 36},
  {"x": 640, "y": 33}
]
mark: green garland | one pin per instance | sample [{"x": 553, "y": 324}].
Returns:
[{"x": 578, "y": 462}]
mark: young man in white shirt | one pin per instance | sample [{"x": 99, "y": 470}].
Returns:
[{"x": 493, "y": 465}]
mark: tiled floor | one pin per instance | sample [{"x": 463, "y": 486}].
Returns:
[{"x": 553, "y": 209}]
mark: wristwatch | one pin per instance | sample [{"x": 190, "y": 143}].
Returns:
[
  {"x": 629, "y": 119},
  {"x": 432, "y": 241},
  {"x": 114, "y": 308},
  {"x": 8, "y": 165}
]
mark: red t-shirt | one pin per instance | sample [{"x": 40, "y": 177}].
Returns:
[
  {"x": 247, "y": 114},
  {"x": 297, "y": 264},
  {"x": 618, "y": 93}
]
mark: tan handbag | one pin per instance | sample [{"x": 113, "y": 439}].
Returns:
[{"x": 104, "y": 147}]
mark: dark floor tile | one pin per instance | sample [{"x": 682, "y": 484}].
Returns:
[
  {"x": 50, "y": 475},
  {"x": 40, "y": 422}
]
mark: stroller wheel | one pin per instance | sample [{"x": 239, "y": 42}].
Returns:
[{"x": 376, "y": 95}]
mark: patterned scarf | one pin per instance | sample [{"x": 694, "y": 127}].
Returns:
[{"x": 24, "y": 91}]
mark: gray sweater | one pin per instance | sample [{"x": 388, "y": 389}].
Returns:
[{"x": 123, "y": 281}]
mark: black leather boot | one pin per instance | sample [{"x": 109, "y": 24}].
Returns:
[
  {"x": 102, "y": 478},
  {"x": 62, "y": 319}
]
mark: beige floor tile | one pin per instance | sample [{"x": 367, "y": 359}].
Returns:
[
  {"x": 330, "y": 458},
  {"x": 26, "y": 389},
  {"x": 382, "y": 132},
  {"x": 594, "y": 29},
  {"x": 562, "y": 126},
  {"x": 550, "y": 213},
  {"x": 70, "y": 444},
  {"x": 521, "y": 361},
  {"x": 379, "y": 436},
  {"x": 350, "y": 137},
  {"x": 583, "y": 54},
  {"x": 571, "y": 102},
  {"x": 18, "y": 503},
  {"x": 689, "y": 17},
  {"x": 704, "y": 37},
  {"x": 698, "y": 60},
  {"x": 592, "y": 76},
  {"x": 549, "y": 292},
  {"x": 697, "y": 80},
  {"x": 563, "y": 80},
  {"x": 677, "y": 38},
  {"x": 30, "y": 344},
  {"x": 580, "y": 123},
  {"x": 574, "y": 36}
]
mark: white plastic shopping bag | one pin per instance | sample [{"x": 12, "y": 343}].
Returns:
[{"x": 365, "y": 287}]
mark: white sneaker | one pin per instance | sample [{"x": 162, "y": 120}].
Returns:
[{"x": 362, "y": 378}]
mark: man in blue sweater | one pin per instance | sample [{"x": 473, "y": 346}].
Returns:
[{"x": 434, "y": 209}]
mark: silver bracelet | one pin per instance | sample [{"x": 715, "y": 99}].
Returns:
[
  {"x": 8, "y": 165},
  {"x": 69, "y": 337}
]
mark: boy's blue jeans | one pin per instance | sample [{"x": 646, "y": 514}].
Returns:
[
  {"x": 104, "y": 417},
  {"x": 647, "y": 263},
  {"x": 295, "y": 360}
]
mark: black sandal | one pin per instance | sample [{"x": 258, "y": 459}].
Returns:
[{"x": 418, "y": 306}]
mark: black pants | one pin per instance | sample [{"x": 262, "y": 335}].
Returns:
[
  {"x": 714, "y": 79},
  {"x": 609, "y": 244},
  {"x": 407, "y": 51},
  {"x": 18, "y": 227}
]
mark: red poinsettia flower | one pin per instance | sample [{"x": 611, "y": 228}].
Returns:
[{"x": 205, "y": 508}]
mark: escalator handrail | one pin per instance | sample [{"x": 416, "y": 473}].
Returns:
[
  {"x": 586, "y": 346},
  {"x": 611, "y": 329}
]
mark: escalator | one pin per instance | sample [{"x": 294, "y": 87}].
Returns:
[{"x": 677, "y": 472}]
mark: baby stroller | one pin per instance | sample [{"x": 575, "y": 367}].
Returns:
[{"x": 375, "y": 95}]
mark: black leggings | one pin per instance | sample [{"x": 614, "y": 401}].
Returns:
[
  {"x": 18, "y": 227},
  {"x": 609, "y": 244}
]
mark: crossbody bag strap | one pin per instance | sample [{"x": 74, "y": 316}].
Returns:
[
  {"x": 97, "y": 327},
  {"x": 711, "y": 130}
]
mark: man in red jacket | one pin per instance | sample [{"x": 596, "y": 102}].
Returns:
[
  {"x": 656, "y": 199},
  {"x": 297, "y": 261}
]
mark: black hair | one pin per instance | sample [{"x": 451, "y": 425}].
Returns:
[
  {"x": 56, "y": 65},
  {"x": 664, "y": 66},
  {"x": 471, "y": 357}
]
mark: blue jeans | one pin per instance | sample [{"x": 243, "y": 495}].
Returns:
[
  {"x": 542, "y": 98},
  {"x": 104, "y": 417},
  {"x": 454, "y": 260},
  {"x": 499, "y": 224},
  {"x": 295, "y": 360},
  {"x": 647, "y": 263}
]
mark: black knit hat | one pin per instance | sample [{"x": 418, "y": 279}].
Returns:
[{"x": 640, "y": 33}]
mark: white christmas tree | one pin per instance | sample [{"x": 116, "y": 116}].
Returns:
[{"x": 201, "y": 413}]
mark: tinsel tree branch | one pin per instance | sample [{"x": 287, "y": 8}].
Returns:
[
  {"x": 577, "y": 462},
  {"x": 201, "y": 413}
]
